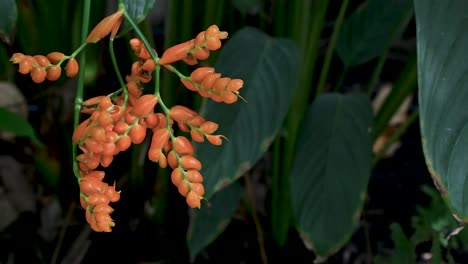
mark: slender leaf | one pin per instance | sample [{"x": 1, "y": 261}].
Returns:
[
  {"x": 268, "y": 67},
  {"x": 443, "y": 95},
  {"x": 210, "y": 221},
  {"x": 8, "y": 16},
  {"x": 138, "y": 10},
  {"x": 331, "y": 169},
  {"x": 368, "y": 32},
  {"x": 12, "y": 122}
]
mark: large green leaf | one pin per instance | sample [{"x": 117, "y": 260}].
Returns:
[
  {"x": 12, "y": 122},
  {"x": 370, "y": 29},
  {"x": 443, "y": 95},
  {"x": 138, "y": 10},
  {"x": 8, "y": 15},
  {"x": 268, "y": 67},
  {"x": 331, "y": 169},
  {"x": 210, "y": 221}
]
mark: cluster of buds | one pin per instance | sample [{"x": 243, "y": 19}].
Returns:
[
  {"x": 117, "y": 121},
  {"x": 110, "y": 129},
  {"x": 195, "y": 49},
  {"x": 210, "y": 84},
  {"x": 42, "y": 67}
]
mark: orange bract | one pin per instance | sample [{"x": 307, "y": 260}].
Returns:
[{"x": 109, "y": 25}]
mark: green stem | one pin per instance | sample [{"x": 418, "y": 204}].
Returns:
[
  {"x": 83, "y": 45},
  {"x": 80, "y": 85},
  {"x": 396, "y": 136},
  {"x": 141, "y": 36},
  {"x": 116, "y": 66},
  {"x": 376, "y": 73},
  {"x": 331, "y": 48}
]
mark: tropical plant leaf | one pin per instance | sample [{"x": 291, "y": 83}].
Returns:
[
  {"x": 443, "y": 96},
  {"x": 370, "y": 29},
  {"x": 12, "y": 122},
  {"x": 268, "y": 67},
  {"x": 210, "y": 221},
  {"x": 8, "y": 16},
  {"x": 331, "y": 169},
  {"x": 138, "y": 10}
]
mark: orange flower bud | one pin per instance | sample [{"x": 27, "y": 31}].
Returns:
[
  {"x": 104, "y": 221},
  {"x": 111, "y": 193},
  {"x": 229, "y": 98},
  {"x": 117, "y": 112},
  {"x": 42, "y": 60},
  {"x": 144, "y": 105},
  {"x": 106, "y": 160},
  {"x": 193, "y": 200},
  {"x": 81, "y": 131},
  {"x": 197, "y": 136},
  {"x": 183, "y": 146},
  {"x": 109, "y": 25},
  {"x": 194, "y": 176},
  {"x": 102, "y": 208},
  {"x": 177, "y": 52},
  {"x": 38, "y": 74},
  {"x": 212, "y": 31},
  {"x": 215, "y": 139},
  {"x": 53, "y": 73},
  {"x": 17, "y": 57},
  {"x": 213, "y": 43},
  {"x": 189, "y": 85},
  {"x": 200, "y": 39},
  {"x": 97, "y": 198},
  {"x": 200, "y": 73},
  {"x": 137, "y": 134},
  {"x": 152, "y": 120},
  {"x": 208, "y": 127},
  {"x": 108, "y": 149},
  {"x": 196, "y": 121},
  {"x": 111, "y": 137},
  {"x": 209, "y": 80},
  {"x": 25, "y": 66},
  {"x": 190, "y": 162},
  {"x": 105, "y": 119},
  {"x": 201, "y": 53},
  {"x": 93, "y": 145},
  {"x": 90, "y": 186},
  {"x": 181, "y": 113},
  {"x": 235, "y": 85},
  {"x": 183, "y": 188},
  {"x": 177, "y": 176},
  {"x": 55, "y": 57},
  {"x": 198, "y": 188},
  {"x": 148, "y": 65},
  {"x": 160, "y": 138},
  {"x": 99, "y": 175},
  {"x": 99, "y": 134},
  {"x": 221, "y": 84},
  {"x": 123, "y": 143},
  {"x": 72, "y": 68},
  {"x": 172, "y": 159},
  {"x": 120, "y": 127}
]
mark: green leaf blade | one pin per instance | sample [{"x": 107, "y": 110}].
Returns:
[
  {"x": 331, "y": 169},
  {"x": 210, "y": 221},
  {"x": 443, "y": 93},
  {"x": 369, "y": 31},
  {"x": 12, "y": 122},
  {"x": 268, "y": 67}
]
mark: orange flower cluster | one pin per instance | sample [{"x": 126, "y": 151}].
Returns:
[
  {"x": 117, "y": 121},
  {"x": 195, "y": 49},
  {"x": 42, "y": 67},
  {"x": 110, "y": 129},
  {"x": 208, "y": 83}
]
